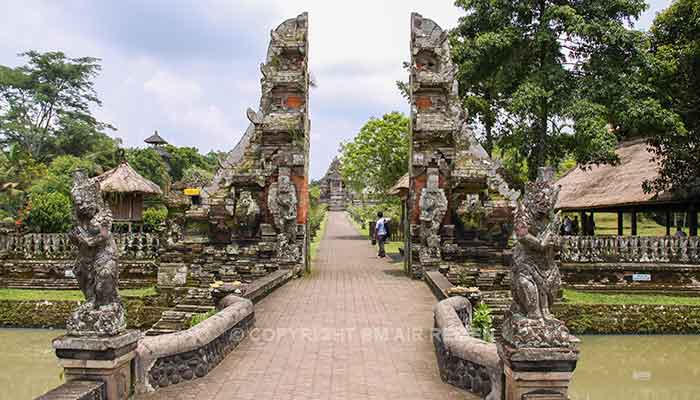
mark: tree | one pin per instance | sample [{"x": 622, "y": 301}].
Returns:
[
  {"x": 59, "y": 177},
  {"x": 674, "y": 110},
  {"x": 49, "y": 213},
  {"x": 47, "y": 100},
  {"x": 149, "y": 164},
  {"x": 523, "y": 69},
  {"x": 183, "y": 158},
  {"x": 378, "y": 156}
]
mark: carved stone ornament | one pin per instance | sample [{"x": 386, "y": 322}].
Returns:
[
  {"x": 282, "y": 203},
  {"x": 433, "y": 205},
  {"x": 102, "y": 313},
  {"x": 535, "y": 273},
  {"x": 247, "y": 215}
]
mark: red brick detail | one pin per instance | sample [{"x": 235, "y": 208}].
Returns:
[
  {"x": 424, "y": 102},
  {"x": 418, "y": 185},
  {"x": 294, "y": 102},
  {"x": 303, "y": 198}
]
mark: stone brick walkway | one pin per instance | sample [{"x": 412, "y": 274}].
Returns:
[{"x": 356, "y": 328}]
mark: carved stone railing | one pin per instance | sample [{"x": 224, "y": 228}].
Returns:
[
  {"x": 465, "y": 361},
  {"x": 633, "y": 249},
  {"x": 56, "y": 246}
]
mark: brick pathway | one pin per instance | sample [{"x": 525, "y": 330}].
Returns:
[{"x": 356, "y": 328}]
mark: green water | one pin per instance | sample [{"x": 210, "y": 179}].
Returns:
[
  {"x": 638, "y": 368},
  {"x": 28, "y": 366},
  {"x": 611, "y": 367}
]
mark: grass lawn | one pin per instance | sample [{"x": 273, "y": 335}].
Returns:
[
  {"x": 577, "y": 297},
  {"x": 317, "y": 240},
  {"x": 606, "y": 224},
  {"x": 59, "y": 295},
  {"x": 390, "y": 247}
]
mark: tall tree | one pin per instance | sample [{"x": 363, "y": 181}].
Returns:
[
  {"x": 378, "y": 156},
  {"x": 46, "y": 100},
  {"x": 674, "y": 111},
  {"x": 522, "y": 65}
]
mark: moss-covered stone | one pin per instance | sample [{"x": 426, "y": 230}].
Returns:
[
  {"x": 53, "y": 314},
  {"x": 634, "y": 318}
]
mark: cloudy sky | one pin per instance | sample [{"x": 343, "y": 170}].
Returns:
[{"x": 190, "y": 68}]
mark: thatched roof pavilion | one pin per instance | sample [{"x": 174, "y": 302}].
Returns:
[
  {"x": 400, "y": 189},
  {"x": 125, "y": 190},
  {"x": 618, "y": 188}
]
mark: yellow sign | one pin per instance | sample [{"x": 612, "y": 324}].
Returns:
[{"x": 192, "y": 192}]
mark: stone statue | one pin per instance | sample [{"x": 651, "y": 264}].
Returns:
[
  {"x": 102, "y": 313},
  {"x": 433, "y": 205},
  {"x": 247, "y": 214},
  {"x": 535, "y": 274},
  {"x": 282, "y": 203}
]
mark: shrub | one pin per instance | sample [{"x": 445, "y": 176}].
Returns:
[
  {"x": 49, "y": 213},
  {"x": 483, "y": 321},
  {"x": 316, "y": 215},
  {"x": 153, "y": 218},
  {"x": 200, "y": 317}
]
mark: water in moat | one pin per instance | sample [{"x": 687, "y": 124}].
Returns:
[
  {"x": 631, "y": 367},
  {"x": 611, "y": 367},
  {"x": 28, "y": 366}
]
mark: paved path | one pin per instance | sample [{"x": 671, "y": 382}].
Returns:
[{"x": 356, "y": 328}]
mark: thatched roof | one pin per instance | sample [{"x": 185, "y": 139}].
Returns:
[
  {"x": 608, "y": 186},
  {"x": 124, "y": 179},
  {"x": 401, "y": 187},
  {"x": 155, "y": 139}
]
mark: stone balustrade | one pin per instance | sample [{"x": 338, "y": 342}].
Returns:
[
  {"x": 56, "y": 246},
  {"x": 630, "y": 249},
  {"x": 465, "y": 361},
  {"x": 172, "y": 358}
]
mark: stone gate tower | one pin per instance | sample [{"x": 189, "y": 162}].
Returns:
[
  {"x": 449, "y": 170},
  {"x": 253, "y": 216}
]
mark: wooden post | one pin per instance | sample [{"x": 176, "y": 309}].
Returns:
[
  {"x": 591, "y": 221},
  {"x": 693, "y": 220},
  {"x": 620, "y": 224},
  {"x": 634, "y": 222},
  {"x": 668, "y": 223}
]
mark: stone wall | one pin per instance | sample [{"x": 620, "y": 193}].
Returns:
[
  {"x": 141, "y": 313},
  {"x": 629, "y": 319},
  {"x": 464, "y": 361},
  {"x": 77, "y": 390}
]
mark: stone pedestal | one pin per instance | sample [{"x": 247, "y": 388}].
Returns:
[
  {"x": 537, "y": 373},
  {"x": 105, "y": 359}
]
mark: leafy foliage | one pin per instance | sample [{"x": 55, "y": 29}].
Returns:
[
  {"x": 49, "y": 213},
  {"x": 378, "y": 156},
  {"x": 45, "y": 105},
  {"x": 672, "y": 114},
  {"x": 150, "y": 165},
  {"x": 483, "y": 321},
  {"x": 59, "y": 175},
  {"x": 184, "y": 158},
  {"x": 153, "y": 218},
  {"x": 545, "y": 78}
]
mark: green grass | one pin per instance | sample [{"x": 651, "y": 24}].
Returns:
[
  {"x": 390, "y": 247},
  {"x": 199, "y": 317},
  {"x": 606, "y": 224},
  {"x": 317, "y": 240},
  {"x": 578, "y": 297},
  {"x": 61, "y": 295}
]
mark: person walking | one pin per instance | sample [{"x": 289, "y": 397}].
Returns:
[{"x": 381, "y": 233}]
